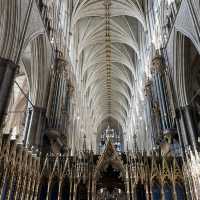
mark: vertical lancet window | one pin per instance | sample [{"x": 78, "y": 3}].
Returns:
[
  {"x": 156, "y": 193},
  {"x": 168, "y": 194}
]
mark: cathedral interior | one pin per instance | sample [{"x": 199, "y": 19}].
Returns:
[{"x": 99, "y": 99}]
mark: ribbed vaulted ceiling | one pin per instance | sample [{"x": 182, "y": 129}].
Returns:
[{"x": 107, "y": 50}]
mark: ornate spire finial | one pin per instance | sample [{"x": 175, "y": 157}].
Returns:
[
  {"x": 84, "y": 143},
  {"x": 91, "y": 147},
  {"x": 127, "y": 147},
  {"x": 135, "y": 143}
]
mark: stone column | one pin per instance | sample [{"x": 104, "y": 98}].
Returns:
[
  {"x": 190, "y": 126},
  {"x": 75, "y": 191},
  {"x": 148, "y": 195},
  {"x": 89, "y": 185},
  {"x": 151, "y": 192},
  {"x": 36, "y": 189},
  {"x": 71, "y": 188},
  {"x": 60, "y": 188},
  {"x": 11, "y": 184},
  {"x": 127, "y": 183},
  {"x": 132, "y": 187},
  {"x": 93, "y": 188},
  {"x": 162, "y": 192},
  {"x": 181, "y": 133},
  {"x": 32, "y": 186},
  {"x": 174, "y": 191},
  {"x": 48, "y": 188},
  {"x": 7, "y": 75},
  {"x": 5, "y": 179}
]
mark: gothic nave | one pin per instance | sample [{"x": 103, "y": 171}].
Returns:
[{"x": 99, "y": 99}]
